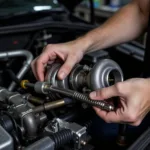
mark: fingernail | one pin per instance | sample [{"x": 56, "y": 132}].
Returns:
[
  {"x": 93, "y": 94},
  {"x": 62, "y": 75}
]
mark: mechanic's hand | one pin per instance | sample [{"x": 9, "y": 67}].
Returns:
[
  {"x": 70, "y": 52},
  {"x": 134, "y": 99}
]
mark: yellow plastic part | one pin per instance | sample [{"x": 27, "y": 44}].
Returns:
[{"x": 23, "y": 82}]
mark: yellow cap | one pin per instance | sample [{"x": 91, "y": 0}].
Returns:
[{"x": 23, "y": 82}]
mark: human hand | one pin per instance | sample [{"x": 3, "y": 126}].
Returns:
[
  {"x": 134, "y": 97},
  {"x": 70, "y": 52}
]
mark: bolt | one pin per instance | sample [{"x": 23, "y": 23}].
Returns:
[
  {"x": 85, "y": 106},
  {"x": 47, "y": 98},
  {"x": 86, "y": 68},
  {"x": 20, "y": 148},
  {"x": 83, "y": 142},
  {"x": 86, "y": 90},
  {"x": 110, "y": 80}
]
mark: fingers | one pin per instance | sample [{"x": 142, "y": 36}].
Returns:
[
  {"x": 121, "y": 115},
  {"x": 137, "y": 123},
  {"x": 106, "y": 93},
  {"x": 65, "y": 52},
  {"x": 109, "y": 117},
  {"x": 67, "y": 66},
  {"x": 131, "y": 99},
  {"x": 38, "y": 65},
  {"x": 33, "y": 68}
]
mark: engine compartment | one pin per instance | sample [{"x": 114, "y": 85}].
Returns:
[
  {"x": 34, "y": 118},
  {"x": 49, "y": 119},
  {"x": 57, "y": 123}
]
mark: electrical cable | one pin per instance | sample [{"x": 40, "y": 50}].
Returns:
[{"x": 92, "y": 14}]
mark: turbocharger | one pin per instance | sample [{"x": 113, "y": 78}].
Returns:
[{"x": 83, "y": 78}]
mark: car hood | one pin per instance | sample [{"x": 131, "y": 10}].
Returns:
[{"x": 70, "y": 4}]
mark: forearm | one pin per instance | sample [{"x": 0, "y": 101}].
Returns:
[{"x": 127, "y": 24}]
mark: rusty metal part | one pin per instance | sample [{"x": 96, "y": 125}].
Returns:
[
  {"x": 34, "y": 100},
  {"x": 52, "y": 105},
  {"x": 122, "y": 138}
]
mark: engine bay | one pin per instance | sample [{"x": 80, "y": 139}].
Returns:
[
  {"x": 62, "y": 116},
  {"x": 57, "y": 114},
  {"x": 42, "y": 116}
]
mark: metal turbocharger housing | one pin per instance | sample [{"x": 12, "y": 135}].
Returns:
[
  {"x": 83, "y": 78},
  {"x": 105, "y": 73},
  {"x": 51, "y": 76}
]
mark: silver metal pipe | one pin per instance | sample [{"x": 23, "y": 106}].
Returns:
[
  {"x": 30, "y": 125},
  {"x": 26, "y": 65},
  {"x": 45, "y": 143}
]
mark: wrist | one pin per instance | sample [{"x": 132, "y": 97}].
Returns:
[{"x": 84, "y": 43}]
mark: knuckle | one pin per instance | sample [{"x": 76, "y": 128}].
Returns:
[
  {"x": 132, "y": 118},
  {"x": 119, "y": 87},
  {"x": 38, "y": 61},
  {"x": 97, "y": 93},
  {"x": 107, "y": 120},
  {"x": 33, "y": 63},
  {"x": 49, "y": 46},
  {"x": 67, "y": 67},
  {"x": 100, "y": 93},
  {"x": 136, "y": 124}
]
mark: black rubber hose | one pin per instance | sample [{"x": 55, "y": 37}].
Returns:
[
  {"x": 12, "y": 119},
  {"x": 9, "y": 124},
  {"x": 6, "y": 123},
  {"x": 122, "y": 129},
  {"x": 92, "y": 14},
  {"x": 61, "y": 138},
  {"x": 88, "y": 124},
  {"x": 122, "y": 137}
]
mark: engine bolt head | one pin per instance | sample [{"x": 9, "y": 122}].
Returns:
[{"x": 83, "y": 143}]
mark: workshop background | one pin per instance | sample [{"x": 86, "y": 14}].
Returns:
[{"x": 104, "y": 9}]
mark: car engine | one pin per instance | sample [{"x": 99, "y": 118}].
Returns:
[
  {"x": 58, "y": 114},
  {"x": 53, "y": 114}
]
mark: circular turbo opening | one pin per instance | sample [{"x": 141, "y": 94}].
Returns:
[{"x": 114, "y": 76}]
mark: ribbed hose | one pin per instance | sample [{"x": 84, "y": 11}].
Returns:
[
  {"x": 103, "y": 105},
  {"x": 88, "y": 124},
  {"x": 61, "y": 138}
]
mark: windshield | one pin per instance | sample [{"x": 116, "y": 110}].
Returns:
[{"x": 18, "y": 6}]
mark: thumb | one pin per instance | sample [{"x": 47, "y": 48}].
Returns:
[
  {"x": 67, "y": 66},
  {"x": 105, "y": 93}
]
